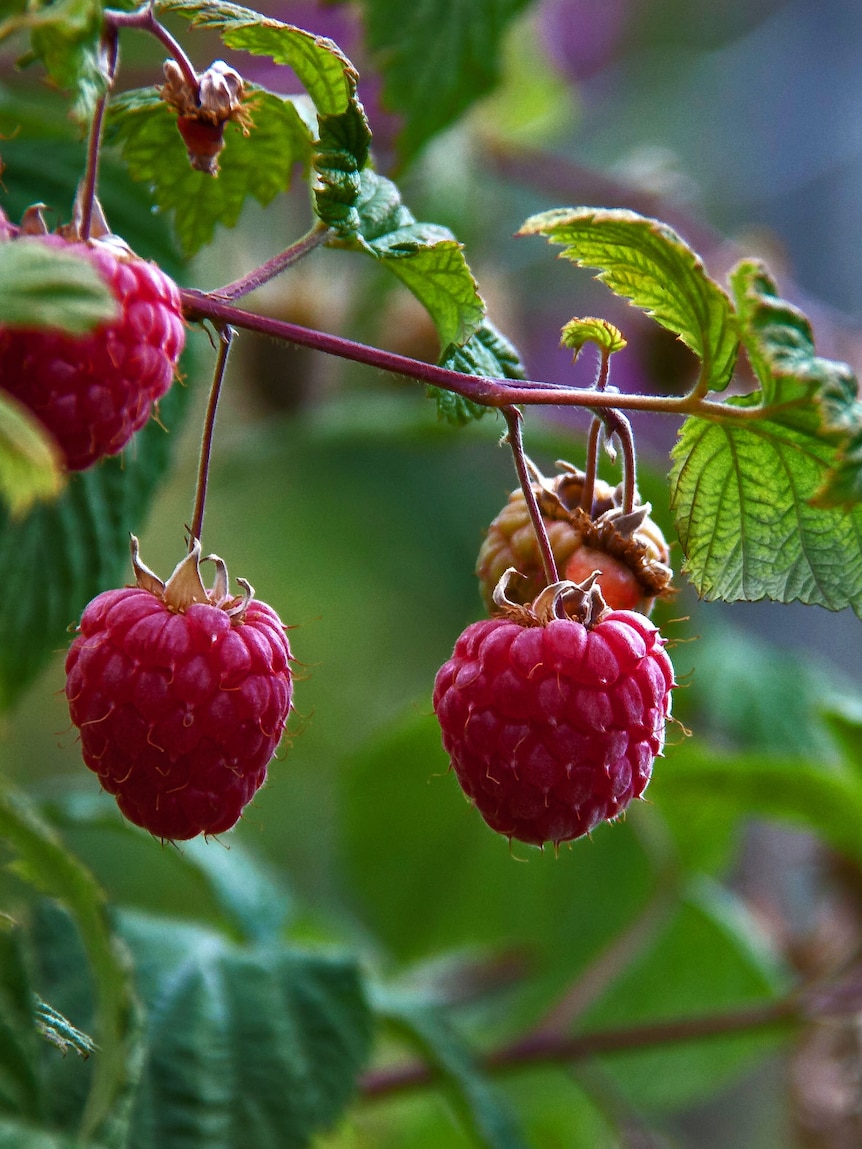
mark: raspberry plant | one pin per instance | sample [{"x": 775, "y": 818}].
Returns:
[{"x": 361, "y": 945}]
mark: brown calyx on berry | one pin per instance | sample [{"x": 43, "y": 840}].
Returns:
[
  {"x": 587, "y": 531},
  {"x": 185, "y": 586},
  {"x": 634, "y": 540},
  {"x": 34, "y": 223},
  {"x": 580, "y": 602},
  {"x": 202, "y": 112}
]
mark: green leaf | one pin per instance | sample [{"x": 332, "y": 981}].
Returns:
[
  {"x": 340, "y": 154},
  {"x": 321, "y": 67},
  {"x": 30, "y": 467},
  {"x": 741, "y": 495},
  {"x": 577, "y": 332},
  {"x": 487, "y": 353},
  {"x": 436, "y": 58},
  {"x": 47, "y": 287},
  {"x": 738, "y": 691},
  {"x": 826, "y": 800},
  {"x": 20, "y": 1087},
  {"x": 711, "y": 957},
  {"x": 44, "y": 861},
  {"x": 58, "y": 557},
  {"x": 646, "y": 262},
  {"x": 843, "y": 717},
  {"x": 65, "y": 36},
  {"x": 62, "y": 972},
  {"x": 427, "y": 258},
  {"x": 206, "y": 879},
  {"x": 481, "y": 1105},
  {"x": 430, "y": 262},
  {"x": 780, "y": 344},
  {"x": 259, "y": 165},
  {"x": 245, "y": 1046},
  {"x": 380, "y": 207}
]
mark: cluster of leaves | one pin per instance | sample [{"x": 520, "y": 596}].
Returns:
[{"x": 766, "y": 487}]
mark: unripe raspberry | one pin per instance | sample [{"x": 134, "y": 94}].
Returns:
[
  {"x": 181, "y": 696},
  {"x": 93, "y": 392},
  {"x": 552, "y": 724},
  {"x": 630, "y": 550}
]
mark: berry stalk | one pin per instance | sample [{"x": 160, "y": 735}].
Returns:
[
  {"x": 513, "y": 419},
  {"x": 110, "y": 50},
  {"x": 225, "y": 340}
]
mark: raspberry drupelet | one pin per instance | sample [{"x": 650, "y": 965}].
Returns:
[
  {"x": 553, "y": 714},
  {"x": 93, "y": 392},
  {"x": 181, "y": 696}
]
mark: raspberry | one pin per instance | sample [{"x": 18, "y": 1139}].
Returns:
[
  {"x": 181, "y": 696},
  {"x": 95, "y": 391},
  {"x": 629, "y": 550},
  {"x": 552, "y": 724}
]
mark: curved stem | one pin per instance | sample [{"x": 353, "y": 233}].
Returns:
[
  {"x": 110, "y": 48},
  {"x": 145, "y": 21},
  {"x": 318, "y": 235},
  {"x": 225, "y": 339},
  {"x": 626, "y": 440},
  {"x": 513, "y": 419},
  {"x": 588, "y": 493}
]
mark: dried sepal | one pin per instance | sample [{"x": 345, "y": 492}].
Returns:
[
  {"x": 599, "y": 535},
  {"x": 203, "y": 109},
  {"x": 580, "y": 602},
  {"x": 186, "y": 586}
]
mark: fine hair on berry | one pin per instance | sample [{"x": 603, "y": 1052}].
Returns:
[
  {"x": 179, "y": 710},
  {"x": 553, "y": 728},
  {"x": 93, "y": 392}
]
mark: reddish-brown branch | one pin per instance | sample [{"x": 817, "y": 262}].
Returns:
[
  {"x": 549, "y": 1048},
  {"x": 487, "y": 392},
  {"x": 318, "y": 235},
  {"x": 144, "y": 20}
]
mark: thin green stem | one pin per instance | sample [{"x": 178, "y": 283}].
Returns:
[
  {"x": 317, "y": 236},
  {"x": 225, "y": 339},
  {"x": 515, "y": 438}
]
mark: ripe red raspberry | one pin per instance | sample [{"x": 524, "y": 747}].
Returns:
[
  {"x": 93, "y": 392},
  {"x": 552, "y": 724},
  {"x": 630, "y": 550},
  {"x": 181, "y": 696}
]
